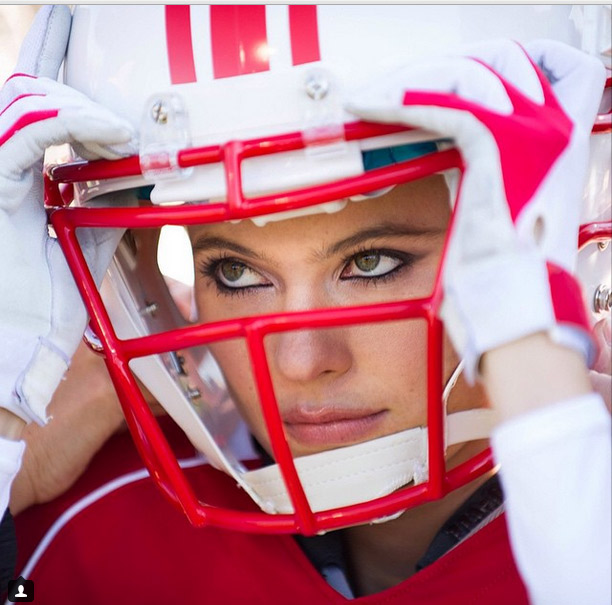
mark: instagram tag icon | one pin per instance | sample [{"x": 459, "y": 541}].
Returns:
[{"x": 21, "y": 591}]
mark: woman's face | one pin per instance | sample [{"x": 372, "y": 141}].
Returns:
[{"x": 339, "y": 386}]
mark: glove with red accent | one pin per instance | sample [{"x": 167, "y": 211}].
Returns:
[
  {"x": 42, "y": 318},
  {"x": 521, "y": 119}
]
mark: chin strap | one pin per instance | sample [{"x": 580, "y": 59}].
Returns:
[{"x": 364, "y": 471}]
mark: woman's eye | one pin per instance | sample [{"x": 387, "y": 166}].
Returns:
[
  {"x": 370, "y": 264},
  {"x": 234, "y": 274}
]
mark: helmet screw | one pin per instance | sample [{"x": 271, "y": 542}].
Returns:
[
  {"x": 317, "y": 87},
  {"x": 603, "y": 244},
  {"x": 602, "y": 301},
  {"x": 150, "y": 309},
  {"x": 193, "y": 393},
  {"x": 159, "y": 113}
]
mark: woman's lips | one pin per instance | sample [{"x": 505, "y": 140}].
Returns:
[{"x": 331, "y": 426}]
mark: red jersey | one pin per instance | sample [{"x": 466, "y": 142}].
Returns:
[{"x": 113, "y": 538}]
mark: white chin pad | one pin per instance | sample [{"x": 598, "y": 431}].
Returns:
[{"x": 364, "y": 471}]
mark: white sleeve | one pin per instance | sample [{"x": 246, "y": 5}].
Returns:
[
  {"x": 11, "y": 453},
  {"x": 555, "y": 471}
]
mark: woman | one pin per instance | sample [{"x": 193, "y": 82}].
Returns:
[{"x": 349, "y": 390}]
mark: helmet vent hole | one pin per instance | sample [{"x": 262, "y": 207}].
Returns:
[{"x": 538, "y": 231}]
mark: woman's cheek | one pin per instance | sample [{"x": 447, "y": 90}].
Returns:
[{"x": 233, "y": 359}]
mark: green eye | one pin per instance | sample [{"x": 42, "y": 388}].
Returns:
[
  {"x": 232, "y": 270},
  {"x": 367, "y": 262},
  {"x": 373, "y": 264},
  {"x": 234, "y": 274}
]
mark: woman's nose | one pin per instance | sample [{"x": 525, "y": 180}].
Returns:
[{"x": 308, "y": 355}]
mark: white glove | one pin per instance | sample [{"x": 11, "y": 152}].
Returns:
[
  {"x": 42, "y": 318},
  {"x": 524, "y": 143}
]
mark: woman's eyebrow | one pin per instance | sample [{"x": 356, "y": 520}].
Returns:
[
  {"x": 382, "y": 230},
  {"x": 205, "y": 242},
  {"x": 210, "y": 242}
]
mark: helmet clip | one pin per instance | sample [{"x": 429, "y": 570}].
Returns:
[
  {"x": 164, "y": 132},
  {"x": 323, "y": 129}
]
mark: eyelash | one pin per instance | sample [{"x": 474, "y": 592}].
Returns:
[{"x": 209, "y": 268}]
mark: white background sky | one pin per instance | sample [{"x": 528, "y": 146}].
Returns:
[{"x": 15, "y": 20}]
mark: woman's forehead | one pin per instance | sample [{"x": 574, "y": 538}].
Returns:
[{"x": 419, "y": 207}]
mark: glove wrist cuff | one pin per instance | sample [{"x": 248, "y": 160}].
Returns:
[
  {"x": 572, "y": 327},
  {"x": 31, "y": 369}
]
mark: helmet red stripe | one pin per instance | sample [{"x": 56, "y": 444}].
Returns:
[
  {"x": 239, "y": 40},
  {"x": 180, "y": 47},
  {"x": 304, "y": 31}
]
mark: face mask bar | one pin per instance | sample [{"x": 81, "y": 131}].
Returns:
[{"x": 152, "y": 445}]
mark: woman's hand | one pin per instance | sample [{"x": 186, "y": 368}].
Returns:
[{"x": 85, "y": 412}]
